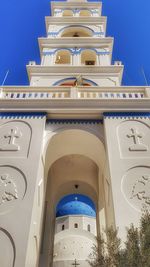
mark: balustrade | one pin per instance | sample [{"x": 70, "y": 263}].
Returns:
[{"x": 73, "y": 93}]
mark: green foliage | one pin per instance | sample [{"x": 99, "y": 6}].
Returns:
[
  {"x": 145, "y": 239},
  {"x": 132, "y": 251},
  {"x": 136, "y": 252},
  {"x": 113, "y": 248},
  {"x": 97, "y": 257}
]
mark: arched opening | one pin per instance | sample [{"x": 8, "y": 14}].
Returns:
[
  {"x": 63, "y": 57},
  {"x": 75, "y": 81},
  {"x": 74, "y": 161},
  {"x": 75, "y": 31},
  {"x": 75, "y": 210},
  {"x": 88, "y": 57},
  {"x": 85, "y": 13},
  {"x": 67, "y": 13}
]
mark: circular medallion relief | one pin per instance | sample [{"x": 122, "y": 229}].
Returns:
[
  {"x": 136, "y": 187},
  {"x": 12, "y": 188}
]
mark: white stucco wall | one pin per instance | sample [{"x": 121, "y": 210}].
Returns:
[
  {"x": 73, "y": 244},
  {"x": 69, "y": 222}
]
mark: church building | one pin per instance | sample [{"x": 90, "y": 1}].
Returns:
[{"x": 74, "y": 145}]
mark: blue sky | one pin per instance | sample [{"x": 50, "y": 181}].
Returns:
[{"x": 22, "y": 22}]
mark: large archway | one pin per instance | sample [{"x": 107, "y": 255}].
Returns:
[{"x": 74, "y": 163}]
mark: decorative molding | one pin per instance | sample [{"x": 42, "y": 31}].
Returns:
[
  {"x": 137, "y": 145},
  {"x": 13, "y": 188},
  {"x": 8, "y": 188},
  {"x": 75, "y": 51},
  {"x": 11, "y": 136},
  {"x": 74, "y": 121},
  {"x": 133, "y": 138},
  {"x": 22, "y": 115},
  {"x": 74, "y": 79},
  {"x": 15, "y": 138},
  {"x": 7, "y": 242},
  {"x": 139, "y": 189},
  {"x": 126, "y": 115},
  {"x": 135, "y": 186}
]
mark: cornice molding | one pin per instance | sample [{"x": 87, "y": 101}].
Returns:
[
  {"x": 126, "y": 115},
  {"x": 75, "y": 21},
  {"x": 22, "y": 115},
  {"x": 74, "y": 121},
  {"x": 39, "y": 70}
]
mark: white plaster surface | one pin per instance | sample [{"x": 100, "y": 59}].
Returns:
[
  {"x": 19, "y": 168},
  {"x": 129, "y": 163}
]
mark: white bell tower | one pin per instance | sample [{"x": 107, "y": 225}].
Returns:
[{"x": 74, "y": 131}]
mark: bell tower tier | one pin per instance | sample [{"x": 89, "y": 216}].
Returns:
[
  {"x": 74, "y": 145},
  {"x": 76, "y": 45}
]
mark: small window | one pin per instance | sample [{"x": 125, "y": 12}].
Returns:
[
  {"x": 89, "y": 228},
  {"x": 63, "y": 227},
  {"x": 75, "y": 225}
]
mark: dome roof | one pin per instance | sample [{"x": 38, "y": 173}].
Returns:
[{"x": 75, "y": 205}]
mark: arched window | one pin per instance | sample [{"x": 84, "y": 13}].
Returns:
[
  {"x": 63, "y": 227},
  {"x": 77, "y": 32},
  {"x": 89, "y": 228},
  {"x": 88, "y": 57},
  {"x": 67, "y": 13},
  {"x": 63, "y": 57},
  {"x": 85, "y": 13},
  {"x": 73, "y": 81},
  {"x": 75, "y": 225}
]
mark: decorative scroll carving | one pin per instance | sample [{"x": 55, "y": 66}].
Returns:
[
  {"x": 136, "y": 187},
  {"x": 13, "y": 186},
  {"x": 8, "y": 189},
  {"x": 141, "y": 189},
  {"x": 137, "y": 146}
]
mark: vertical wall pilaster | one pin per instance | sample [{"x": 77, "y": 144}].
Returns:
[
  {"x": 128, "y": 148},
  {"x": 20, "y": 161}
]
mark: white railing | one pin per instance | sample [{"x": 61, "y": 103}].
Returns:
[{"x": 38, "y": 93}]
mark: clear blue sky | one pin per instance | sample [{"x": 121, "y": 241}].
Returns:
[{"x": 22, "y": 22}]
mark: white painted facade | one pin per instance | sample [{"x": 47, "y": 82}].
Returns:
[
  {"x": 74, "y": 239},
  {"x": 74, "y": 124},
  {"x": 82, "y": 222}
]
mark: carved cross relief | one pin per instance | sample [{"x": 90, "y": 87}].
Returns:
[
  {"x": 141, "y": 190},
  {"x": 8, "y": 141},
  {"x": 137, "y": 145},
  {"x": 8, "y": 189}
]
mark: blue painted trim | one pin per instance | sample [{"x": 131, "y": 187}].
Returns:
[
  {"x": 58, "y": 49},
  {"x": 75, "y": 51},
  {"x": 98, "y": 33},
  {"x": 75, "y": 121},
  {"x": 23, "y": 114},
  {"x": 79, "y": 50},
  {"x": 73, "y": 78},
  {"x": 127, "y": 114}
]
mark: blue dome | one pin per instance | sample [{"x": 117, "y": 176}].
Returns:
[{"x": 75, "y": 205}]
